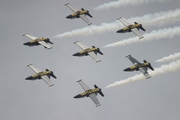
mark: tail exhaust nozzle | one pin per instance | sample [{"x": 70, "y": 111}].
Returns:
[
  {"x": 150, "y": 67},
  {"x": 89, "y": 14}
]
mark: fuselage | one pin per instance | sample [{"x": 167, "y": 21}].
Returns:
[
  {"x": 128, "y": 28},
  {"x": 36, "y": 41},
  {"x": 86, "y": 51},
  {"x": 76, "y": 14},
  {"x": 38, "y": 75},
  {"x": 87, "y": 93},
  {"x": 137, "y": 66}
]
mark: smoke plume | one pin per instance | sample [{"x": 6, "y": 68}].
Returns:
[
  {"x": 164, "y": 69},
  {"x": 154, "y": 35},
  {"x": 171, "y": 57},
  {"x": 156, "y": 19},
  {"x": 121, "y": 3}
]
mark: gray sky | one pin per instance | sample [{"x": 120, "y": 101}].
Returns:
[{"x": 155, "y": 98}]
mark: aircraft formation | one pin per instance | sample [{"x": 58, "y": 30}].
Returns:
[{"x": 87, "y": 51}]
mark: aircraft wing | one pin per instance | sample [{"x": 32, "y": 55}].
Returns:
[
  {"x": 135, "y": 31},
  {"x": 133, "y": 60},
  {"x": 30, "y": 36},
  {"x": 94, "y": 99},
  {"x": 82, "y": 46},
  {"x": 126, "y": 23},
  {"x": 83, "y": 85},
  {"x": 36, "y": 70},
  {"x": 85, "y": 19},
  {"x": 144, "y": 71},
  {"x": 45, "y": 44},
  {"x": 72, "y": 8},
  {"x": 47, "y": 80},
  {"x": 94, "y": 56}
]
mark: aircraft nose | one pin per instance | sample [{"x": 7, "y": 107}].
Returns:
[
  {"x": 69, "y": 16},
  {"x": 127, "y": 69},
  {"x": 29, "y": 78},
  {"x": 76, "y": 54},
  {"x": 27, "y": 43},
  {"x": 119, "y": 31},
  {"x": 77, "y": 96}
]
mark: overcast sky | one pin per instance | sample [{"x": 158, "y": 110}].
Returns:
[{"x": 154, "y": 99}]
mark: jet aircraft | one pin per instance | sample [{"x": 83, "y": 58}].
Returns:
[
  {"x": 88, "y": 51},
  {"x": 131, "y": 27},
  {"x": 79, "y": 13},
  {"x": 45, "y": 75},
  {"x": 139, "y": 66},
  {"x": 92, "y": 93},
  {"x": 37, "y": 41}
]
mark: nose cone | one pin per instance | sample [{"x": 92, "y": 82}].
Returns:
[
  {"x": 76, "y": 54},
  {"x": 29, "y": 78},
  {"x": 69, "y": 16},
  {"x": 120, "y": 31},
  {"x": 77, "y": 96},
  {"x": 127, "y": 69},
  {"x": 27, "y": 43}
]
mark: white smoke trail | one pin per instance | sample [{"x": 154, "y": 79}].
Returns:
[
  {"x": 121, "y": 3},
  {"x": 154, "y": 35},
  {"x": 164, "y": 69},
  {"x": 159, "y": 18},
  {"x": 171, "y": 57}
]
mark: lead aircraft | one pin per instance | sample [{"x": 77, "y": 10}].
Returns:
[
  {"x": 45, "y": 75},
  {"x": 92, "y": 93},
  {"x": 88, "y": 51},
  {"x": 139, "y": 66},
  {"x": 37, "y": 41},
  {"x": 131, "y": 27},
  {"x": 79, "y": 14}
]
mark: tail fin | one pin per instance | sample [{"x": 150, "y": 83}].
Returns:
[
  {"x": 89, "y": 14},
  {"x": 135, "y": 23},
  {"x": 149, "y": 66},
  {"x": 99, "y": 51},
  {"x": 142, "y": 28},
  {"x": 100, "y": 92},
  {"x": 52, "y": 74},
  {"x": 50, "y": 42}
]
